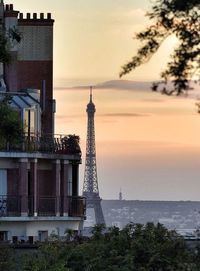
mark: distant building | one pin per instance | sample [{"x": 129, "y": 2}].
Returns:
[
  {"x": 120, "y": 195},
  {"x": 38, "y": 175},
  {"x": 182, "y": 216}
]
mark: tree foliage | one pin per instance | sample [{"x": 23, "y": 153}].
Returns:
[
  {"x": 4, "y": 53},
  {"x": 11, "y": 128},
  {"x": 71, "y": 144},
  {"x": 172, "y": 17},
  {"x": 135, "y": 248},
  {"x": 6, "y": 259},
  {"x": 6, "y": 40}
]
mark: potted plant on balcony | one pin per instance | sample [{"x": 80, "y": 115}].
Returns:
[{"x": 70, "y": 145}]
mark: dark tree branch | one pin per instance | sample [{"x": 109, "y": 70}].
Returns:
[{"x": 182, "y": 19}]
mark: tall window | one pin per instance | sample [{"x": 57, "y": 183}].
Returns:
[{"x": 30, "y": 122}]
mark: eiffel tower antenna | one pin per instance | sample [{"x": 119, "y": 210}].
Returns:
[
  {"x": 90, "y": 185},
  {"x": 90, "y": 94}
]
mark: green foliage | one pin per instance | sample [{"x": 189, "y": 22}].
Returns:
[
  {"x": 4, "y": 54},
  {"x": 135, "y": 248},
  {"x": 172, "y": 17},
  {"x": 97, "y": 231},
  {"x": 51, "y": 256},
  {"x": 10, "y": 125},
  {"x": 71, "y": 144},
  {"x": 6, "y": 259},
  {"x": 69, "y": 235},
  {"x": 14, "y": 36}
]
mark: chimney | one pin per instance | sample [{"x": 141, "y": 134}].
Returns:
[
  {"x": 34, "y": 16},
  {"x": 49, "y": 16},
  {"x": 41, "y": 16},
  {"x": 28, "y": 15}
]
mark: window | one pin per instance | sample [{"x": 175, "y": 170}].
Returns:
[
  {"x": 29, "y": 122},
  {"x": 42, "y": 236},
  {"x": 3, "y": 236}
]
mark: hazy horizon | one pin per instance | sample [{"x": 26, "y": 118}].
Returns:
[{"x": 150, "y": 157}]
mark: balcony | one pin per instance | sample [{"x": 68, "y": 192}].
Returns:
[
  {"x": 58, "y": 144},
  {"x": 10, "y": 206}
]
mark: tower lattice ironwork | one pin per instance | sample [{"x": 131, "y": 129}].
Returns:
[{"x": 90, "y": 185}]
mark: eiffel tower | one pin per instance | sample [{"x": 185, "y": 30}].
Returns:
[{"x": 90, "y": 185}]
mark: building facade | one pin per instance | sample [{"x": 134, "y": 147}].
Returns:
[
  {"x": 31, "y": 65},
  {"x": 39, "y": 173}
]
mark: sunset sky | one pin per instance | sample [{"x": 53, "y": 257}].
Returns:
[
  {"x": 93, "y": 38},
  {"x": 147, "y": 144}
]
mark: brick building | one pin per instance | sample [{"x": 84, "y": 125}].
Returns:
[
  {"x": 32, "y": 59},
  {"x": 39, "y": 175}
]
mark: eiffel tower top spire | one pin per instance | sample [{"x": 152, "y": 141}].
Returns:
[
  {"x": 91, "y": 106},
  {"x": 90, "y": 94}
]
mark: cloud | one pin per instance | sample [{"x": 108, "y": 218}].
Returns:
[
  {"x": 103, "y": 118},
  {"x": 67, "y": 118},
  {"x": 70, "y": 88},
  {"x": 107, "y": 120},
  {"x": 60, "y": 88},
  {"x": 154, "y": 100},
  {"x": 125, "y": 115}
]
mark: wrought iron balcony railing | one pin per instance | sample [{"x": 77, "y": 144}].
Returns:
[
  {"x": 61, "y": 144},
  {"x": 10, "y": 206}
]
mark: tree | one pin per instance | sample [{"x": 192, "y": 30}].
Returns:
[
  {"x": 71, "y": 144},
  {"x": 6, "y": 42},
  {"x": 4, "y": 53},
  {"x": 135, "y": 248},
  {"x": 6, "y": 258},
  {"x": 11, "y": 128},
  {"x": 172, "y": 17}
]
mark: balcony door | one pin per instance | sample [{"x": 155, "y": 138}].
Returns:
[
  {"x": 3, "y": 182},
  {"x": 3, "y": 192}
]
